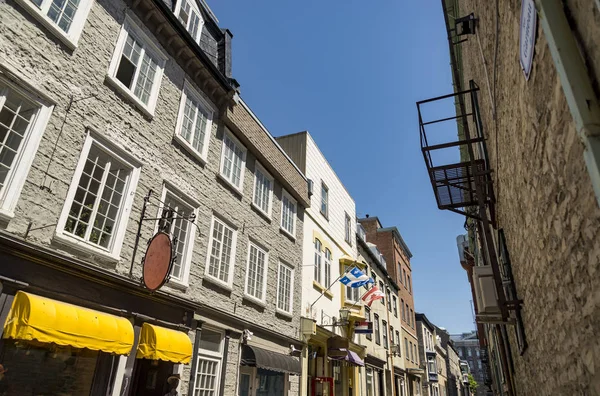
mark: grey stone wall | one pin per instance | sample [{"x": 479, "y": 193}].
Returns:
[
  {"x": 545, "y": 200},
  {"x": 41, "y": 60}
]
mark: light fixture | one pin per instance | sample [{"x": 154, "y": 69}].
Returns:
[{"x": 344, "y": 316}]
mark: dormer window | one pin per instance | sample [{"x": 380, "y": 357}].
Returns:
[{"x": 189, "y": 15}]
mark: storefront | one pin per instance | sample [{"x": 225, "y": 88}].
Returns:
[
  {"x": 84, "y": 331},
  {"x": 333, "y": 365},
  {"x": 266, "y": 373},
  {"x": 374, "y": 376}
]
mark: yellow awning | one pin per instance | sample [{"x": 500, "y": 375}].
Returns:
[
  {"x": 42, "y": 319},
  {"x": 160, "y": 343},
  {"x": 347, "y": 260}
]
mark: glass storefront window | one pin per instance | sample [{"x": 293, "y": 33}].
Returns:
[
  {"x": 270, "y": 383},
  {"x": 40, "y": 369}
]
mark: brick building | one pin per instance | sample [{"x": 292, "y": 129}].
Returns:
[
  {"x": 397, "y": 257},
  {"x": 526, "y": 111},
  {"x": 109, "y": 109}
]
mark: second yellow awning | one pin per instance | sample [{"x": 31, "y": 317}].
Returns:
[
  {"x": 42, "y": 319},
  {"x": 160, "y": 343}
]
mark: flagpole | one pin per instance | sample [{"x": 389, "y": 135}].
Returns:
[{"x": 329, "y": 287}]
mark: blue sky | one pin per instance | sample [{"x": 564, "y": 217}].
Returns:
[{"x": 350, "y": 73}]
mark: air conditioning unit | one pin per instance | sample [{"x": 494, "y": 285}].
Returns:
[
  {"x": 486, "y": 294},
  {"x": 310, "y": 187}
]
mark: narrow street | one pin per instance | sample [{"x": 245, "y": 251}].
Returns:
[{"x": 318, "y": 198}]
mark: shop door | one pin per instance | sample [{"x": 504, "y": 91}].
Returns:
[
  {"x": 150, "y": 377},
  {"x": 247, "y": 381}
]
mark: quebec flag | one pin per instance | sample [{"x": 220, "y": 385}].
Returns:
[{"x": 356, "y": 278}]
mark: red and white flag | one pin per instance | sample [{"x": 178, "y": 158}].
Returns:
[{"x": 373, "y": 294}]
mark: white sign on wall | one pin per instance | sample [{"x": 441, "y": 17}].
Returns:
[{"x": 527, "y": 35}]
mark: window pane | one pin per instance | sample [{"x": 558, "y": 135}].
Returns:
[
  {"x": 262, "y": 191},
  {"x": 179, "y": 231},
  {"x": 220, "y": 255},
  {"x": 129, "y": 61},
  {"x": 16, "y": 115},
  {"x": 62, "y": 12},
  {"x": 327, "y": 267},
  {"x": 45, "y": 370},
  {"x": 284, "y": 288},
  {"x": 232, "y": 162},
  {"x": 145, "y": 79},
  {"x": 210, "y": 340},
  {"x": 98, "y": 198},
  {"x": 317, "y": 260},
  {"x": 256, "y": 268}
]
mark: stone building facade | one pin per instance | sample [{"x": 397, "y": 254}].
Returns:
[
  {"x": 541, "y": 135},
  {"x": 467, "y": 346},
  {"x": 112, "y": 109}
]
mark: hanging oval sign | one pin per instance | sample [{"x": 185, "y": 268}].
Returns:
[{"x": 157, "y": 261}]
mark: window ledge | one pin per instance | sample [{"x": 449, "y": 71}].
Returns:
[
  {"x": 254, "y": 300},
  {"x": 192, "y": 151},
  {"x": 218, "y": 282},
  {"x": 289, "y": 234},
  {"x": 322, "y": 289},
  {"x": 237, "y": 190},
  {"x": 123, "y": 90},
  {"x": 176, "y": 284},
  {"x": 6, "y": 215},
  {"x": 85, "y": 247},
  {"x": 284, "y": 313},
  {"x": 70, "y": 42},
  {"x": 261, "y": 212}
]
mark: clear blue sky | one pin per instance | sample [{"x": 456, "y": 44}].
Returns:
[{"x": 350, "y": 73}]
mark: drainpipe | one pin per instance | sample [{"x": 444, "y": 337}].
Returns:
[{"x": 575, "y": 82}]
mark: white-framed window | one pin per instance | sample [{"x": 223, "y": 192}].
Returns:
[
  {"x": 408, "y": 351},
  {"x": 189, "y": 15},
  {"x": 263, "y": 190},
  {"x": 348, "y": 229},
  {"x": 395, "y": 306},
  {"x": 194, "y": 122},
  {"x": 288, "y": 213},
  {"x": 285, "y": 288},
  {"x": 431, "y": 364},
  {"x": 181, "y": 229},
  {"x": 99, "y": 198},
  {"x": 23, "y": 119},
  {"x": 318, "y": 259},
  {"x": 64, "y": 18},
  {"x": 136, "y": 67},
  {"x": 324, "y": 200},
  {"x": 256, "y": 272},
  {"x": 233, "y": 161},
  {"x": 327, "y": 257},
  {"x": 353, "y": 294},
  {"x": 209, "y": 362},
  {"x": 376, "y": 329},
  {"x": 220, "y": 259}
]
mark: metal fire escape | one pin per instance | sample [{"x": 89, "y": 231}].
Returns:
[{"x": 455, "y": 153}]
